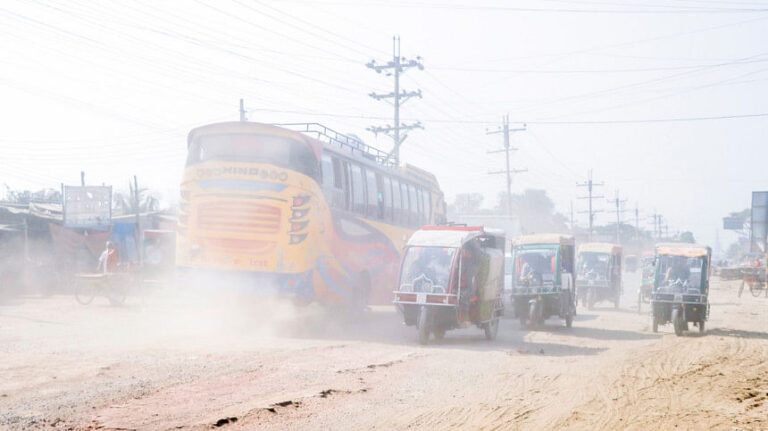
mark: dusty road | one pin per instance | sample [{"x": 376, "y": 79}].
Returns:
[{"x": 162, "y": 363}]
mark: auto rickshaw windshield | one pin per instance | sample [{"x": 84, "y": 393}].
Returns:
[
  {"x": 427, "y": 268},
  {"x": 594, "y": 265},
  {"x": 679, "y": 272},
  {"x": 536, "y": 264}
]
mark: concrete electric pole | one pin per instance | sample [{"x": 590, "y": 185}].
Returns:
[
  {"x": 507, "y": 148},
  {"x": 618, "y": 203},
  {"x": 589, "y": 184},
  {"x": 396, "y": 67}
]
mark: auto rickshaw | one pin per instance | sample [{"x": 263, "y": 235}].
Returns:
[
  {"x": 646, "y": 282},
  {"x": 631, "y": 262},
  {"x": 544, "y": 282},
  {"x": 452, "y": 277},
  {"x": 681, "y": 286},
  {"x": 599, "y": 273}
]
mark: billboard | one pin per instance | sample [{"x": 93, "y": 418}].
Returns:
[
  {"x": 88, "y": 207},
  {"x": 759, "y": 216},
  {"x": 733, "y": 223}
]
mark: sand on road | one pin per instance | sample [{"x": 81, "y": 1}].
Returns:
[{"x": 162, "y": 363}]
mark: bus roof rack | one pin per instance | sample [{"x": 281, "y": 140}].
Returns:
[{"x": 347, "y": 142}]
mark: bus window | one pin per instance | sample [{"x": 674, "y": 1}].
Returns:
[
  {"x": 346, "y": 185},
  {"x": 414, "y": 205},
  {"x": 327, "y": 170},
  {"x": 373, "y": 194},
  {"x": 381, "y": 198},
  {"x": 397, "y": 202},
  {"x": 426, "y": 198},
  {"x": 406, "y": 213},
  {"x": 336, "y": 177},
  {"x": 358, "y": 189}
]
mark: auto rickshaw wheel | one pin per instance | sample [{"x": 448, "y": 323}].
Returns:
[
  {"x": 591, "y": 299},
  {"x": 491, "y": 329},
  {"x": 655, "y": 323},
  {"x": 701, "y": 326},
  {"x": 424, "y": 325},
  {"x": 677, "y": 322},
  {"x": 439, "y": 334},
  {"x": 568, "y": 320}
]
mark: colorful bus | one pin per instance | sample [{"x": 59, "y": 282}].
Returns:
[{"x": 299, "y": 210}]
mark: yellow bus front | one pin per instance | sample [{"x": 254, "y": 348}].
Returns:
[{"x": 249, "y": 200}]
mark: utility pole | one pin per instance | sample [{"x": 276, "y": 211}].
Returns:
[
  {"x": 242, "y": 110},
  {"x": 618, "y": 202},
  {"x": 637, "y": 223},
  {"x": 656, "y": 224},
  {"x": 507, "y": 148},
  {"x": 398, "y": 65},
  {"x": 589, "y": 184}
]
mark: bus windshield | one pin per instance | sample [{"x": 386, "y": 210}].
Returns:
[{"x": 276, "y": 150}]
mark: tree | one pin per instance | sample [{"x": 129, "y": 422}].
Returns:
[
  {"x": 467, "y": 203},
  {"x": 687, "y": 236},
  {"x": 535, "y": 212},
  {"x": 125, "y": 203}
]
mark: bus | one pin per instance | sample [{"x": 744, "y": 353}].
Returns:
[{"x": 299, "y": 210}]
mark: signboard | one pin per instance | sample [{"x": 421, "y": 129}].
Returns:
[
  {"x": 733, "y": 223},
  {"x": 88, "y": 206},
  {"x": 759, "y": 217}
]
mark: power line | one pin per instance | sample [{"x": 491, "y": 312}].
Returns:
[{"x": 590, "y": 71}]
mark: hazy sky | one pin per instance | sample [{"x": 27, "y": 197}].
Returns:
[{"x": 112, "y": 88}]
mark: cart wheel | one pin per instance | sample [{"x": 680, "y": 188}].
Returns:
[
  {"x": 439, "y": 334},
  {"x": 84, "y": 292},
  {"x": 677, "y": 322},
  {"x": 425, "y": 318},
  {"x": 756, "y": 288},
  {"x": 491, "y": 329},
  {"x": 701, "y": 326}
]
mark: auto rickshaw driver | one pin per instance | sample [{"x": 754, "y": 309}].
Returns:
[{"x": 678, "y": 271}]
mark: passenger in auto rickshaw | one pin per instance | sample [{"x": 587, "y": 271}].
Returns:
[
  {"x": 535, "y": 265},
  {"x": 474, "y": 272},
  {"x": 678, "y": 271}
]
